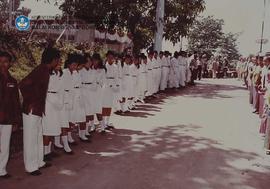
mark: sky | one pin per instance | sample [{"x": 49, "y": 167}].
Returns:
[{"x": 243, "y": 16}]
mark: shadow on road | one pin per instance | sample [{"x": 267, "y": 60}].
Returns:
[
  {"x": 201, "y": 90},
  {"x": 166, "y": 157}
]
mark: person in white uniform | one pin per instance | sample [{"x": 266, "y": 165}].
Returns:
[
  {"x": 142, "y": 82},
  {"x": 110, "y": 89},
  {"x": 54, "y": 104},
  {"x": 126, "y": 80},
  {"x": 182, "y": 69},
  {"x": 150, "y": 78},
  {"x": 174, "y": 72},
  {"x": 165, "y": 66},
  {"x": 97, "y": 96},
  {"x": 78, "y": 113},
  {"x": 88, "y": 84}
]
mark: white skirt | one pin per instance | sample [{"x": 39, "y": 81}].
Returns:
[
  {"x": 88, "y": 100},
  {"x": 50, "y": 121},
  {"x": 64, "y": 118},
  {"x": 108, "y": 97},
  {"x": 98, "y": 96},
  {"x": 77, "y": 114}
]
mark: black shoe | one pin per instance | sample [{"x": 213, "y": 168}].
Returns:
[
  {"x": 35, "y": 173},
  {"x": 69, "y": 153},
  {"x": 54, "y": 155},
  {"x": 47, "y": 165},
  {"x": 47, "y": 157},
  {"x": 6, "y": 176},
  {"x": 110, "y": 127},
  {"x": 103, "y": 132}
]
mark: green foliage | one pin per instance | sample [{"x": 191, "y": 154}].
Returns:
[
  {"x": 206, "y": 36},
  {"x": 137, "y": 17}
]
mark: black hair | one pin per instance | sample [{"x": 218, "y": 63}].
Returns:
[
  {"x": 49, "y": 55},
  {"x": 97, "y": 57},
  {"x": 72, "y": 58},
  {"x": 6, "y": 54},
  {"x": 155, "y": 52},
  {"x": 110, "y": 53},
  {"x": 176, "y": 54}
]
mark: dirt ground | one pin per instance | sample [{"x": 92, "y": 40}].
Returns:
[{"x": 203, "y": 137}]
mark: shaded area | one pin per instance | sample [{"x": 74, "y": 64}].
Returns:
[{"x": 166, "y": 157}]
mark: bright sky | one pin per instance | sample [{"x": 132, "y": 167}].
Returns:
[{"x": 240, "y": 16}]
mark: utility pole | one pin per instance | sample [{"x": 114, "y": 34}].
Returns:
[
  {"x": 160, "y": 25},
  {"x": 262, "y": 34}
]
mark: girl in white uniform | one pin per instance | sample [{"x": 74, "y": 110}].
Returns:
[
  {"x": 54, "y": 103},
  {"x": 100, "y": 76},
  {"x": 88, "y": 87},
  {"x": 142, "y": 78},
  {"x": 126, "y": 80},
  {"x": 110, "y": 89},
  {"x": 64, "y": 116},
  {"x": 78, "y": 114},
  {"x": 118, "y": 95}
]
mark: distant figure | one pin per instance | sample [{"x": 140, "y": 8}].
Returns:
[{"x": 215, "y": 65}]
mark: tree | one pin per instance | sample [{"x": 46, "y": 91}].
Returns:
[
  {"x": 4, "y": 10},
  {"x": 206, "y": 36},
  {"x": 136, "y": 17}
]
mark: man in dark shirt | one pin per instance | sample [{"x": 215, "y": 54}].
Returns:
[
  {"x": 34, "y": 89},
  {"x": 10, "y": 110}
]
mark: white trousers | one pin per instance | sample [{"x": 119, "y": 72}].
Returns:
[
  {"x": 5, "y": 133},
  {"x": 32, "y": 142},
  {"x": 164, "y": 78}
]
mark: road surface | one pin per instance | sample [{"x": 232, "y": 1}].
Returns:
[{"x": 203, "y": 137}]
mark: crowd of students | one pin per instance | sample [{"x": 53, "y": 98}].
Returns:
[
  {"x": 85, "y": 90},
  {"x": 255, "y": 72}
]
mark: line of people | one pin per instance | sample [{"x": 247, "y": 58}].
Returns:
[
  {"x": 254, "y": 71},
  {"x": 56, "y": 101}
]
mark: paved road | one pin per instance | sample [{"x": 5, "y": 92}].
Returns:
[{"x": 204, "y": 137}]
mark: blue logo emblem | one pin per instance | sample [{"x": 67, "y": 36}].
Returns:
[{"x": 22, "y": 23}]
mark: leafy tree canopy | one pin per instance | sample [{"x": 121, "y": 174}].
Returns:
[{"x": 207, "y": 36}]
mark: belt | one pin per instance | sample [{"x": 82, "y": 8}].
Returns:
[
  {"x": 134, "y": 76},
  {"x": 165, "y": 66},
  {"x": 127, "y": 75},
  {"x": 110, "y": 77},
  {"x": 66, "y": 90},
  {"x": 87, "y": 83},
  {"x": 53, "y": 92},
  {"x": 76, "y": 87},
  {"x": 149, "y": 69}
]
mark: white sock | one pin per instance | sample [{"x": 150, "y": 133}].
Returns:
[
  {"x": 46, "y": 150},
  {"x": 87, "y": 129},
  {"x": 57, "y": 142},
  {"x": 107, "y": 120},
  {"x": 92, "y": 126},
  {"x": 65, "y": 143},
  {"x": 103, "y": 125},
  {"x": 82, "y": 134},
  {"x": 70, "y": 139}
]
